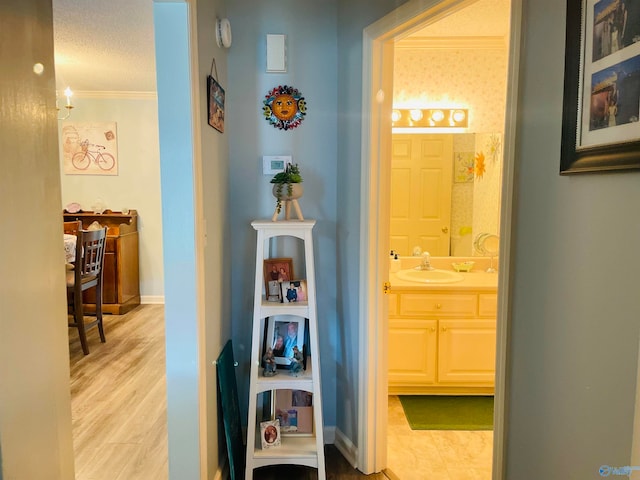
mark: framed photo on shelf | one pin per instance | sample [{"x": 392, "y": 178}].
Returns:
[
  {"x": 270, "y": 434},
  {"x": 283, "y": 333},
  {"x": 293, "y": 291},
  {"x": 294, "y": 408},
  {"x": 600, "y": 129},
  {"x": 276, "y": 271}
]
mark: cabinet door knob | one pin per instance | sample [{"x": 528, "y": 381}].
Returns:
[
  {"x": 445, "y": 229},
  {"x": 438, "y": 306},
  {"x": 444, "y": 329}
]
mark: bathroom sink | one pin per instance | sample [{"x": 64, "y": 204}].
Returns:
[{"x": 429, "y": 276}]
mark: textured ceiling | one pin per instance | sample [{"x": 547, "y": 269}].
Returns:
[
  {"x": 104, "y": 46},
  {"x": 109, "y": 46}
]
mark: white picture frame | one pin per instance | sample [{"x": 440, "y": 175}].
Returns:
[{"x": 280, "y": 337}]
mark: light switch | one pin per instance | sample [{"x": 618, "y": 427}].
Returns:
[
  {"x": 276, "y": 53},
  {"x": 274, "y": 164}
]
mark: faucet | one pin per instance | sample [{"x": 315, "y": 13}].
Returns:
[{"x": 426, "y": 262}]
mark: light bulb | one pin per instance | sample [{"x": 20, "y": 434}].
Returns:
[
  {"x": 68, "y": 93},
  {"x": 416, "y": 115},
  {"x": 458, "y": 116},
  {"x": 396, "y": 115},
  {"x": 437, "y": 116}
]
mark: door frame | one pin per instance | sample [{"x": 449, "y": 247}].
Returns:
[{"x": 377, "y": 80}]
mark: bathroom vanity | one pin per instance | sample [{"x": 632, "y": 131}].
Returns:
[{"x": 442, "y": 336}]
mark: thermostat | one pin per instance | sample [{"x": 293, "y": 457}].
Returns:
[{"x": 274, "y": 164}]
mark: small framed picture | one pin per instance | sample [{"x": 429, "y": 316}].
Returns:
[
  {"x": 270, "y": 434},
  {"x": 215, "y": 105},
  {"x": 283, "y": 333},
  {"x": 294, "y": 291},
  {"x": 276, "y": 271}
]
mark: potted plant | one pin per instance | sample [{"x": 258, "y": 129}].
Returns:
[{"x": 291, "y": 178}]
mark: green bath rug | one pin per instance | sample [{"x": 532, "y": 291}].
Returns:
[{"x": 436, "y": 412}]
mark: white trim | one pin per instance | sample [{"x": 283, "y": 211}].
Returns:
[
  {"x": 115, "y": 94},
  {"x": 152, "y": 299},
  {"x": 372, "y": 434},
  {"x": 329, "y": 434},
  {"x": 345, "y": 447},
  {"x": 506, "y": 216}
]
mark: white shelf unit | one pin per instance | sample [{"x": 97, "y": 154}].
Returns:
[{"x": 296, "y": 449}]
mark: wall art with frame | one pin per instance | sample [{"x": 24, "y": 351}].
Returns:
[
  {"x": 601, "y": 107},
  {"x": 215, "y": 104},
  {"x": 276, "y": 271}
]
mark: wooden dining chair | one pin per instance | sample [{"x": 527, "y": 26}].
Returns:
[
  {"x": 71, "y": 228},
  {"x": 87, "y": 273}
]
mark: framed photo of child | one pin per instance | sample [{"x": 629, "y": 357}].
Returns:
[{"x": 294, "y": 291}]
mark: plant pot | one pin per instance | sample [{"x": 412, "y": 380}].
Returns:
[{"x": 296, "y": 191}]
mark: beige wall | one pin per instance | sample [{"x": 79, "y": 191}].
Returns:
[
  {"x": 35, "y": 412},
  {"x": 474, "y": 78},
  {"x": 137, "y": 185},
  {"x": 466, "y": 77}
]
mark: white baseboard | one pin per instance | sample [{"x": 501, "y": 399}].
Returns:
[
  {"x": 329, "y": 435},
  {"x": 152, "y": 299},
  {"x": 346, "y": 447}
]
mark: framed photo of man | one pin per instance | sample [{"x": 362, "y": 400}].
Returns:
[{"x": 284, "y": 332}]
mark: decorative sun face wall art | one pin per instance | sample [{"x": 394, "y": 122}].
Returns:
[{"x": 284, "y": 107}]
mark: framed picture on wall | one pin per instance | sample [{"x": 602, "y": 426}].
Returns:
[
  {"x": 600, "y": 129},
  {"x": 215, "y": 107}
]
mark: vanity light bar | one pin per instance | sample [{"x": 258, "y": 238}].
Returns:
[{"x": 430, "y": 117}]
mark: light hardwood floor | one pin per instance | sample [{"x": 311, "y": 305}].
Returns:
[
  {"x": 118, "y": 401},
  {"x": 118, "y": 398}
]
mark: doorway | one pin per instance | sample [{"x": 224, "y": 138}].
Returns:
[{"x": 378, "y": 55}]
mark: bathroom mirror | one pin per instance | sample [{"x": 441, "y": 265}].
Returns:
[{"x": 445, "y": 190}]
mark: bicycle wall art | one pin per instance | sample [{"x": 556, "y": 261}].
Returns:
[{"x": 90, "y": 148}]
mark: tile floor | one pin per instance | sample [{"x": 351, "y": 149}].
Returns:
[{"x": 435, "y": 454}]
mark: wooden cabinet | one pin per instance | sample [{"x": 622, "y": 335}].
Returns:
[
  {"x": 121, "y": 284},
  {"x": 466, "y": 352},
  {"x": 414, "y": 347},
  {"x": 442, "y": 342}
]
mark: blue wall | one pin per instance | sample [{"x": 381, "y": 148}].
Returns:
[
  {"x": 178, "y": 211},
  {"x": 312, "y": 65}
]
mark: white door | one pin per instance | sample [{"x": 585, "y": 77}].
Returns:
[{"x": 421, "y": 176}]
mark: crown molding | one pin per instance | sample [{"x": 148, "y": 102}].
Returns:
[
  {"x": 454, "y": 43},
  {"x": 116, "y": 94}
]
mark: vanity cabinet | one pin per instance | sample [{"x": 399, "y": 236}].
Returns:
[
  {"x": 442, "y": 342},
  {"x": 121, "y": 284}
]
